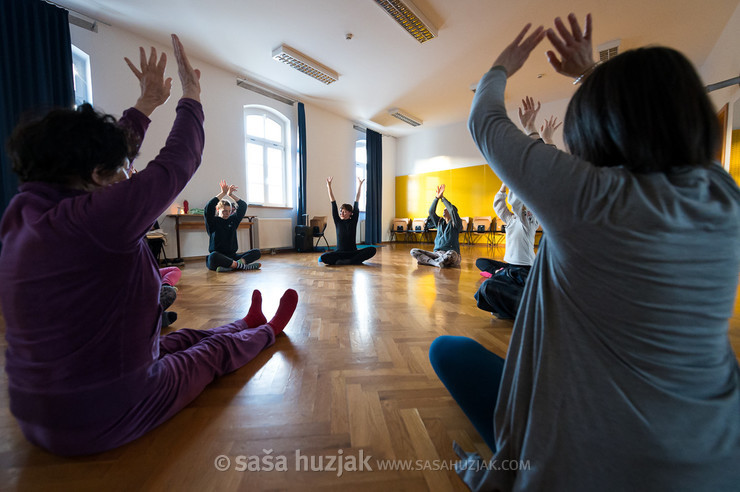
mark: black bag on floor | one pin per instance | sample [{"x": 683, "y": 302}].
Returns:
[{"x": 303, "y": 238}]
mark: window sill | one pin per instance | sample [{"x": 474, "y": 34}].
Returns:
[{"x": 257, "y": 205}]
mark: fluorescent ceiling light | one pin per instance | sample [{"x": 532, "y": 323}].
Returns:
[
  {"x": 405, "y": 117},
  {"x": 410, "y": 18},
  {"x": 304, "y": 64}
]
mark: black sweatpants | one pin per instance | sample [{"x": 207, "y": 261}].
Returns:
[
  {"x": 217, "y": 259},
  {"x": 502, "y": 293},
  {"x": 348, "y": 257}
]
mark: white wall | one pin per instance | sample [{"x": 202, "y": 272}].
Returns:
[
  {"x": 330, "y": 143},
  {"x": 452, "y": 147},
  {"x": 330, "y": 138}
]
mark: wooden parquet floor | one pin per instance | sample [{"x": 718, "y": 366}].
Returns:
[{"x": 350, "y": 379}]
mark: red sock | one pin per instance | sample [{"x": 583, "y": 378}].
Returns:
[
  {"x": 284, "y": 312},
  {"x": 254, "y": 317}
]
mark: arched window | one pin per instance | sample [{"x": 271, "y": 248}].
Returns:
[{"x": 267, "y": 145}]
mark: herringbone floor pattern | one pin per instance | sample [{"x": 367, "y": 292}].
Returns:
[{"x": 351, "y": 379}]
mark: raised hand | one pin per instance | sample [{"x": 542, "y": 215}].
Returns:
[
  {"x": 548, "y": 128},
  {"x": 155, "y": 89},
  {"x": 528, "y": 114},
  {"x": 224, "y": 186},
  {"x": 328, "y": 188},
  {"x": 189, "y": 77},
  {"x": 440, "y": 191},
  {"x": 574, "y": 47},
  {"x": 232, "y": 189},
  {"x": 514, "y": 55}
]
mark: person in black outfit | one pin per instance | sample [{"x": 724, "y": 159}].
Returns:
[
  {"x": 345, "y": 221},
  {"x": 221, "y": 225}
]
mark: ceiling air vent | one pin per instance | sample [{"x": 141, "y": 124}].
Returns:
[
  {"x": 409, "y": 18},
  {"x": 608, "y": 50},
  {"x": 304, "y": 64},
  {"x": 405, "y": 117}
]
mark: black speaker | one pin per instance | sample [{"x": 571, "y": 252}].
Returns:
[
  {"x": 303, "y": 238},
  {"x": 481, "y": 228},
  {"x": 399, "y": 228}
]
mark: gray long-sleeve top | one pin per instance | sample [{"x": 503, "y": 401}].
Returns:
[
  {"x": 448, "y": 235},
  {"x": 620, "y": 374}
]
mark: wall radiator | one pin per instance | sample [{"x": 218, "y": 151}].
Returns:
[{"x": 274, "y": 233}]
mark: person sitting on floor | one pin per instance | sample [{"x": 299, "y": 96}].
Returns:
[
  {"x": 221, "y": 226},
  {"x": 619, "y": 356},
  {"x": 345, "y": 222},
  {"x": 87, "y": 368},
  {"x": 501, "y": 293},
  {"x": 447, "y": 242}
]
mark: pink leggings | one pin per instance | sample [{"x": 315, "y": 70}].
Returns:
[
  {"x": 170, "y": 275},
  {"x": 187, "y": 362}
]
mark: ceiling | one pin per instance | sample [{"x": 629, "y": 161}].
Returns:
[{"x": 382, "y": 66}]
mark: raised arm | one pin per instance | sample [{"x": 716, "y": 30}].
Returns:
[
  {"x": 224, "y": 187},
  {"x": 433, "y": 208},
  {"x": 454, "y": 215},
  {"x": 231, "y": 191},
  {"x": 528, "y": 115},
  {"x": 241, "y": 205},
  {"x": 499, "y": 205},
  {"x": 328, "y": 188},
  {"x": 155, "y": 89},
  {"x": 148, "y": 193},
  {"x": 548, "y": 128},
  {"x": 576, "y": 54},
  {"x": 530, "y": 169},
  {"x": 359, "y": 189}
]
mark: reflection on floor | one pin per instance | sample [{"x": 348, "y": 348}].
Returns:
[{"x": 350, "y": 380}]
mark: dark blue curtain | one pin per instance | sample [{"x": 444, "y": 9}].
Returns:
[
  {"x": 301, "y": 163},
  {"x": 374, "y": 205},
  {"x": 35, "y": 71}
]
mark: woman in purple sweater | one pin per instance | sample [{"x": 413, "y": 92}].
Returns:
[{"x": 88, "y": 370}]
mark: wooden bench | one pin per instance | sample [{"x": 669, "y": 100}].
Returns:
[{"x": 182, "y": 221}]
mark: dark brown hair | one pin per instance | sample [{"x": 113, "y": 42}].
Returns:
[
  {"x": 67, "y": 145},
  {"x": 645, "y": 109}
]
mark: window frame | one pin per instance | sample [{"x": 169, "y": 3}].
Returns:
[
  {"x": 83, "y": 58},
  {"x": 361, "y": 170},
  {"x": 266, "y": 144}
]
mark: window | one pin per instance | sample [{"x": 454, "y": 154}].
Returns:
[
  {"x": 361, "y": 169},
  {"x": 82, "y": 79},
  {"x": 267, "y": 150}
]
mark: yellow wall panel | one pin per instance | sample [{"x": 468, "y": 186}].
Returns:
[
  {"x": 470, "y": 189},
  {"x": 735, "y": 156}
]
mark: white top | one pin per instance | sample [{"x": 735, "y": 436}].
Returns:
[{"x": 520, "y": 231}]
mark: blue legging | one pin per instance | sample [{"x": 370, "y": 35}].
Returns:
[{"x": 472, "y": 375}]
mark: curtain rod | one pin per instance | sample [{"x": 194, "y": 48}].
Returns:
[
  {"x": 363, "y": 129},
  {"x": 724, "y": 83},
  {"x": 76, "y": 12}
]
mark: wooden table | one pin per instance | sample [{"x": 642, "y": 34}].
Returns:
[{"x": 188, "y": 221}]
